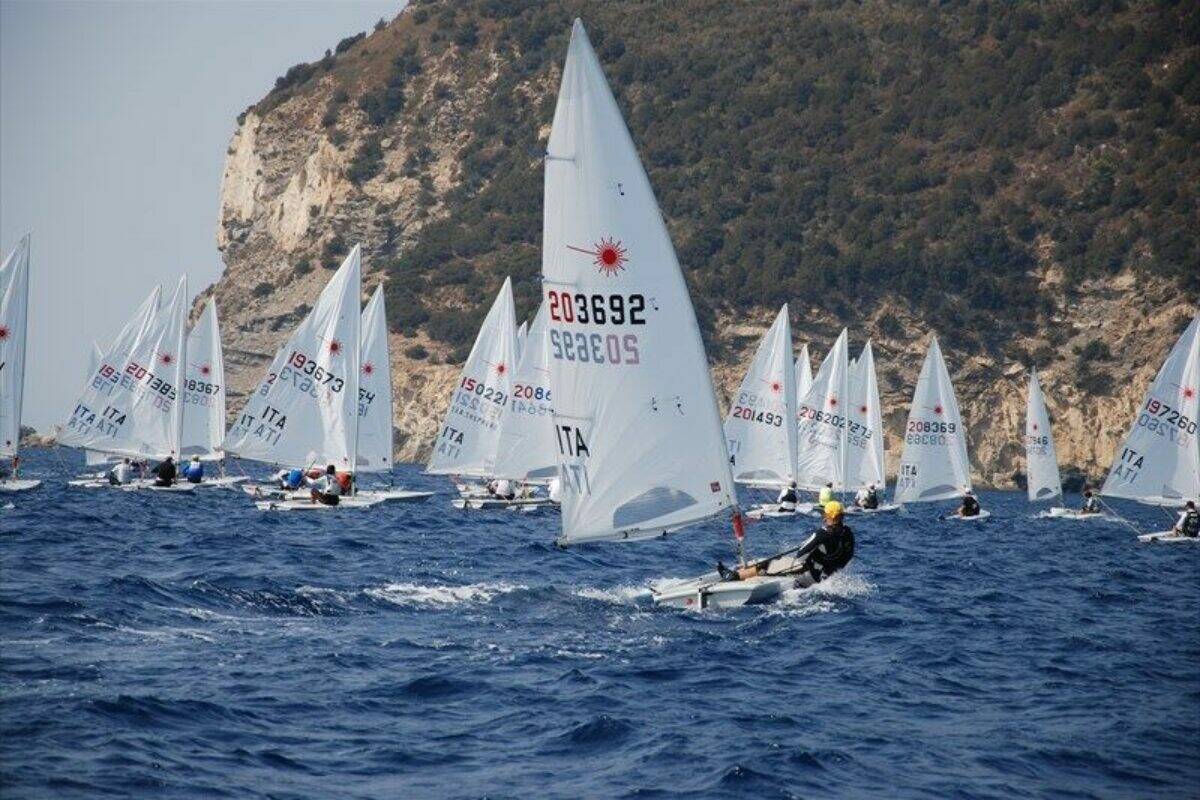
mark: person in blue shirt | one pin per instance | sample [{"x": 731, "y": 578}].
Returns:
[{"x": 194, "y": 471}]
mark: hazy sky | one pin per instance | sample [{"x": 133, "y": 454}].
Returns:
[{"x": 114, "y": 119}]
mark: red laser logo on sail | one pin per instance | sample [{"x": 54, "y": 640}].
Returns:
[
  {"x": 205, "y": 370},
  {"x": 609, "y": 255},
  {"x": 3, "y": 332},
  {"x": 368, "y": 368},
  {"x": 335, "y": 347},
  {"x": 166, "y": 359}
]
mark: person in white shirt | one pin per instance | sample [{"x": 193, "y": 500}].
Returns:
[
  {"x": 867, "y": 497},
  {"x": 1189, "y": 521},
  {"x": 503, "y": 489},
  {"x": 326, "y": 489},
  {"x": 121, "y": 474}
]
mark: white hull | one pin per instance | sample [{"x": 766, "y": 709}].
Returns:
[
  {"x": 493, "y": 503},
  {"x": 395, "y": 495},
  {"x": 1072, "y": 514},
  {"x": 980, "y": 517},
  {"x": 771, "y": 511},
  {"x": 138, "y": 485},
  {"x": 18, "y": 484},
  {"x": 886, "y": 508},
  {"x": 709, "y": 591},
  {"x": 306, "y": 504},
  {"x": 1167, "y": 537},
  {"x": 223, "y": 482}
]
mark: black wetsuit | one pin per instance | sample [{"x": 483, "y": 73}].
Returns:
[
  {"x": 1191, "y": 524},
  {"x": 871, "y": 500},
  {"x": 830, "y": 549},
  {"x": 970, "y": 507},
  {"x": 165, "y": 474}
]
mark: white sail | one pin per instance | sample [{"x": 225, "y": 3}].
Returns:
[
  {"x": 934, "y": 463},
  {"x": 1041, "y": 461},
  {"x": 133, "y": 405},
  {"x": 760, "y": 430},
  {"x": 375, "y": 389},
  {"x": 527, "y": 449},
  {"x": 305, "y": 411},
  {"x": 204, "y": 388},
  {"x": 14, "y": 318},
  {"x": 641, "y": 449},
  {"x": 1159, "y": 461},
  {"x": 821, "y": 431},
  {"x": 470, "y": 433},
  {"x": 95, "y": 458},
  {"x": 522, "y": 335},
  {"x": 865, "y": 464},
  {"x": 804, "y": 375}
]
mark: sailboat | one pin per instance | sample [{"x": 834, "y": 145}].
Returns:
[
  {"x": 641, "y": 450},
  {"x": 467, "y": 442},
  {"x": 522, "y": 335},
  {"x": 374, "y": 455},
  {"x": 804, "y": 374},
  {"x": 822, "y": 432},
  {"x": 934, "y": 465},
  {"x": 204, "y": 396},
  {"x": 760, "y": 429},
  {"x": 14, "y": 323},
  {"x": 526, "y": 449},
  {"x": 305, "y": 411},
  {"x": 864, "y": 437},
  {"x": 1041, "y": 460},
  {"x": 1159, "y": 461},
  {"x": 133, "y": 404}
]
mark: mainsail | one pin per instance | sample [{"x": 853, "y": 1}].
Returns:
[
  {"x": 865, "y": 465},
  {"x": 641, "y": 450},
  {"x": 133, "y": 405},
  {"x": 760, "y": 430},
  {"x": 305, "y": 411},
  {"x": 934, "y": 464},
  {"x": 1041, "y": 461},
  {"x": 1159, "y": 461},
  {"x": 527, "y": 448},
  {"x": 804, "y": 376},
  {"x": 470, "y": 433},
  {"x": 522, "y": 335},
  {"x": 95, "y": 458},
  {"x": 822, "y": 430},
  {"x": 375, "y": 390},
  {"x": 14, "y": 313},
  {"x": 204, "y": 388}
]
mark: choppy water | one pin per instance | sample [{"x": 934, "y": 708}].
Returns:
[{"x": 175, "y": 646}]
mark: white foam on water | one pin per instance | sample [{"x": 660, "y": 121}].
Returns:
[
  {"x": 822, "y": 598},
  {"x": 412, "y": 594},
  {"x": 623, "y": 595}
]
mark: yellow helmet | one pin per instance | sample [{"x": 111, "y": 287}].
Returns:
[{"x": 833, "y": 510}]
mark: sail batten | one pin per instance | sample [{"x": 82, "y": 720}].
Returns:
[
  {"x": 639, "y": 440},
  {"x": 1158, "y": 462}
]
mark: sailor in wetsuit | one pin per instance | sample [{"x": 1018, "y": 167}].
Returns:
[
  {"x": 1189, "y": 521},
  {"x": 788, "y": 498},
  {"x": 969, "y": 507},
  {"x": 867, "y": 497},
  {"x": 1091, "y": 504},
  {"x": 829, "y": 549}
]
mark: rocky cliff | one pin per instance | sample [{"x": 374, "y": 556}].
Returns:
[{"x": 421, "y": 142}]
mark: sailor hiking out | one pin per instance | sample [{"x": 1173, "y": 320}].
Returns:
[{"x": 829, "y": 549}]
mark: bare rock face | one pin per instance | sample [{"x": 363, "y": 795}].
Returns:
[{"x": 296, "y": 195}]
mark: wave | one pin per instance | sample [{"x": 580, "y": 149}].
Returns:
[
  {"x": 623, "y": 595},
  {"x": 413, "y": 594}
]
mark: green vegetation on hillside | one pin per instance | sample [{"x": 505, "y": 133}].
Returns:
[{"x": 827, "y": 153}]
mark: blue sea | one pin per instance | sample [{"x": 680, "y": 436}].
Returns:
[{"x": 191, "y": 646}]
